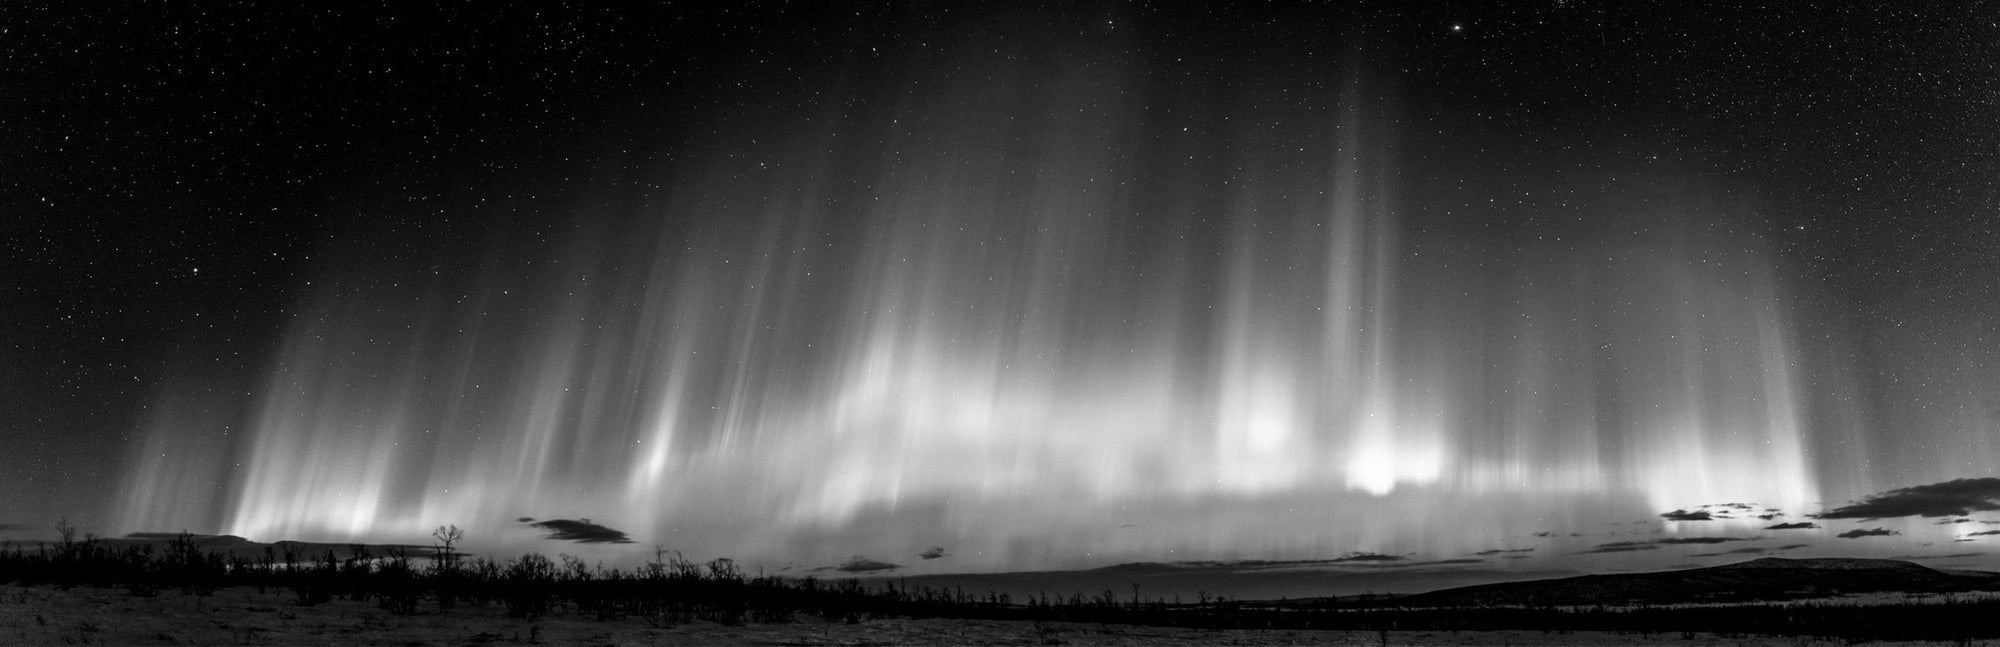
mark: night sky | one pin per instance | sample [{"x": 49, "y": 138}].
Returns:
[{"x": 1033, "y": 286}]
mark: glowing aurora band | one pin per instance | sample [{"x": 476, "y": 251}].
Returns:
[{"x": 1018, "y": 316}]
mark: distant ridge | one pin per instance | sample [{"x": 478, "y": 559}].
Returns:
[
  {"x": 1831, "y": 563},
  {"x": 1769, "y": 578},
  {"x": 242, "y": 547},
  {"x": 199, "y": 540}
]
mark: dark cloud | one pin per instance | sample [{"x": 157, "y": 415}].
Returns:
[
  {"x": 934, "y": 553},
  {"x": 1951, "y": 556},
  {"x": 1740, "y": 551},
  {"x": 581, "y": 531},
  {"x": 1544, "y": 533},
  {"x": 1621, "y": 547},
  {"x": 1791, "y": 546},
  {"x": 1858, "y": 533},
  {"x": 1685, "y": 515},
  {"x": 1951, "y": 498},
  {"x": 1367, "y": 557},
  {"x": 1503, "y": 551},
  {"x": 859, "y": 564},
  {"x": 1947, "y": 522},
  {"x": 1770, "y": 515},
  {"x": 1796, "y": 525},
  {"x": 1703, "y": 540},
  {"x": 1983, "y": 533},
  {"x": 1443, "y": 562},
  {"x": 1632, "y": 546}
]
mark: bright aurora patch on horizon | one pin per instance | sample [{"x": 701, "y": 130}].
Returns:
[{"x": 1046, "y": 289}]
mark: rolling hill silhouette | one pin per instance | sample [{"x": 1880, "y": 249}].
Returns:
[{"x": 1769, "y": 578}]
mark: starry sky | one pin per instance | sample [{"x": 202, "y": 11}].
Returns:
[{"x": 1050, "y": 286}]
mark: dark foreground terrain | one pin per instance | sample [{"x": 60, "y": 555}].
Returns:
[
  {"x": 240, "y": 616},
  {"x": 182, "y": 590}
]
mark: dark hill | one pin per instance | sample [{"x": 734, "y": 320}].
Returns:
[
  {"x": 234, "y": 546},
  {"x": 1769, "y": 578}
]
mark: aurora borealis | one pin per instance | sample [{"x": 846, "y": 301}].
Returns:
[{"x": 1058, "y": 289}]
